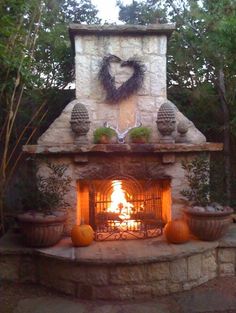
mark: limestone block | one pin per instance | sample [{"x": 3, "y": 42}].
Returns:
[
  {"x": 226, "y": 255},
  {"x": 142, "y": 291},
  {"x": 71, "y": 218},
  {"x": 131, "y": 46},
  {"x": 56, "y": 136},
  {"x": 194, "y": 267},
  {"x": 90, "y": 45},
  {"x": 158, "y": 76},
  {"x": 155, "y": 45},
  {"x": 162, "y": 45},
  {"x": 63, "y": 121},
  {"x": 158, "y": 271},
  {"x": 190, "y": 284},
  {"x": 83, "y": 77},
  {"x": 160, "y": 288},
  {"x": 178, "y": 270},
  {"x": 59, "y": 131},
  {"x": 64, "y": 285},
  {"x": 96, "y": 91},
  {"x": 150, "y": 44},
  {"x": 174, "y": 287},
  {"x": 126, "y": 274},
  {"x": 147, "y": 119},
  {"x": 147, "y": 104},
  {"x": 10, "y": 265},
  {"x": 97, "y": 276},
  {"x": 145, "y": 89},
  {"x": 79, "y": 45},
  {"x": 227, "y": 269},
  {"x": 159, "y": 102},
  {"x": 113, "y": 293},
  {"x": 110, "y": 45},
  {"x": 209, "y": 264},
  {"x": 84, "y": 291}
]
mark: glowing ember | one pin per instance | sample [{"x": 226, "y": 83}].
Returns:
[{"x": 119, "y": 204}]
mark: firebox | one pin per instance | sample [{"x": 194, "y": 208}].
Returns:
[{"x": 122, "y": 207}]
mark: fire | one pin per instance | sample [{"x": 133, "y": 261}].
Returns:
[{"x": 119, "y": 204}]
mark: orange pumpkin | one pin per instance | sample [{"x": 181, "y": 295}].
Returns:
[
  {"x": 177, "y": 231},
  {"x": 82, "y": 235}
]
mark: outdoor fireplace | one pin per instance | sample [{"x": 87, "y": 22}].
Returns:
[
  {"x": 124, "y": 190},
  {"x": 121, "y": 207}
]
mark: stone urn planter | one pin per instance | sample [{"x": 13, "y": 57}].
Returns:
[
  {"x": 43, "y": 226},
  {"x": 208, "y": 226},
  {"x": 40, "y": 230}
]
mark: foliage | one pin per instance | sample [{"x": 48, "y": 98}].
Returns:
[
  {"x": 45, "y": 193},
  {"x": 197, "y": 175},
  {"x": 34, "y": 53},
  {"x": 140, "y": 132},
  {"x": 141, "y": 12},
  {"x": 103, "y": 131}
]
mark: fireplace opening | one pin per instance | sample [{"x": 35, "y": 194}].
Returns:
[{"x": 121, "y": 207}]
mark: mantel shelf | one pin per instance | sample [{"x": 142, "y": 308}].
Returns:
[{"x": 122, "y": 148}]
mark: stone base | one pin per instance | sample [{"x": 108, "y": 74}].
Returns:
[{"x": 140, "y": 269}]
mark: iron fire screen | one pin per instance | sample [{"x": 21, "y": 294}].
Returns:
[{"x": 125, "y": 208}]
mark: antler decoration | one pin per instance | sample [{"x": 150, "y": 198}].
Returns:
[{"x": 121, "y": 135}]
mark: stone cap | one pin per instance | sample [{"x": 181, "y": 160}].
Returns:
[
  {"x": 123, "y": 148},
  {"x": 151, "y": 29}
]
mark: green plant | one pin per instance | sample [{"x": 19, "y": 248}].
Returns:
[
  {"x": 101, "y": 132},
  {"x": 140, "y": 132},
  {"x": 197, "y": 174},
  {"x": 48, "y": 193}
]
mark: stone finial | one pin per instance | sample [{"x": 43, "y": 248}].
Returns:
[
  {"x": 182, "y": 129},
  {"x": 166, "y": 122},
  {"x": 80, "y": 123}
]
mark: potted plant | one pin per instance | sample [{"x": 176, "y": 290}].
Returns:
[
  {"x": 140, "y": 134},
  {"x": 104, "y": 135},
  {"x": 207, "y": 220},
  {"x": 43, "y": 223}
]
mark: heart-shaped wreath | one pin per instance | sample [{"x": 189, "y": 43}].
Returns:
[{"x": 129, "y": 87}]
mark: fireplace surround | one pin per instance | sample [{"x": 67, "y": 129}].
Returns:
[
  {"x": 149, "y": 173},
  {"x": 148, "y": 179}
]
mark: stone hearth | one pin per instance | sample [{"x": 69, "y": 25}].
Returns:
[{"x": 127, "y": 270}]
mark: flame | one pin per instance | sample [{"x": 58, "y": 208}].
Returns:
[{"x": 119, "y": 204}]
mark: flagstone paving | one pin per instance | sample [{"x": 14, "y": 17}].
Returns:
[{"x": 216, "y": 296}]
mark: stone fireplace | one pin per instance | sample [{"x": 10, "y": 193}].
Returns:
[
  {"x": 124, "y": 190},
  {"x": 148, "y": 176}
]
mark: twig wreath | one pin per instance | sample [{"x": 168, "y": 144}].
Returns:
[{"x": 129, "y": 87}]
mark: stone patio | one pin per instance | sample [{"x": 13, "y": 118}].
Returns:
[{"x": 136, "y": 269}]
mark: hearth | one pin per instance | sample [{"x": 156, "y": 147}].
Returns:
[{"x": 122, "y": 207}]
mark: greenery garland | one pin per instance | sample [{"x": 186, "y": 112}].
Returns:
[{"x": 129, "y": 87}]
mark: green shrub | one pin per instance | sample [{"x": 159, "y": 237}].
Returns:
[
  {"x": 100, "y": 132},
  {"x": 140, "y": 132}
]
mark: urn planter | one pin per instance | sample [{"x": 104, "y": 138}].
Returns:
[
  {"x": 208, "y": 226},
  {"x": 40, "y": 230}
]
